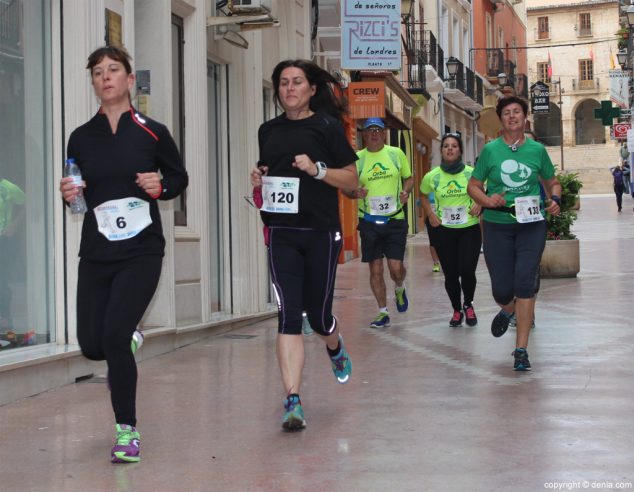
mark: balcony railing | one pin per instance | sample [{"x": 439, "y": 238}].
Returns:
[
  {"x": 479, "y": 91},
  {"x": 421, "y": 49},
  {"x": 509, "y": 70},
  {"x": 495, "y": 62},
  {"x": 470, "y": 78},
  {"x": 521, "y": 85},
  {"x": 585, "y": 85}
]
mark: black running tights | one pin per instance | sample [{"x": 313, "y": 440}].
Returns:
[{"x": 111, "y": 300}]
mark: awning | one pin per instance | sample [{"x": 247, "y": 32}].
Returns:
[{"x": 489, "y": 123}]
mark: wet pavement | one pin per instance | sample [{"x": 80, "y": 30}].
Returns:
[{"x": 428, "y": 407}]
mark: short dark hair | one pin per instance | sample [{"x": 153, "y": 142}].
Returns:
[
  {"x": 116, "y": 53},
  {"x": 456, "y": 137},
  {"x": 505, "y": 101},
  {"x": 328, "y": 96}
]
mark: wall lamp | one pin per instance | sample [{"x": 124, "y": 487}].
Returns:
[
  {"x": 621, "y": 57},
  {"x": 501, "y": 83},
  {"x": 630, "y": 15},
  {"x": 452, "y": 67}
]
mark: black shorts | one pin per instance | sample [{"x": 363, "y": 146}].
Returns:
[{"x": 379, "y": 240}]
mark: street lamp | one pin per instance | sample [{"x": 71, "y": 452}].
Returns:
[
  {"x": 630, "y": 15},
  {"x": 502, "y": 79},
  {"x": 561, "y": 119},
  {"x": 452, "y": 67}
]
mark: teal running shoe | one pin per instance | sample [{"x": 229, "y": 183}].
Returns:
[
  {"x": 401, "y": 300},
  {"x": 341, "y": 364},
  {"x": 521, "y": 360},
  {"x": 381, "y": 321},
  {"x": 137, "y": 341},
  {"x": 293, "y": 419},
  {"x": 127, "y": 447}
]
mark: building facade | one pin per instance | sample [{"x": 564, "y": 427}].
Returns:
[{"x": 572, "y": 47}]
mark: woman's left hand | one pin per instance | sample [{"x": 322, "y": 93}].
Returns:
[
  {"x": 304, "y": 163},
  {"x": 553, "y": 208},
  {"x": 476, "y": 210},
  {"x": 150, "y": 183}
]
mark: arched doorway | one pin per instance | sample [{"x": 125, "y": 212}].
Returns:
[
  {"x": 546, "y": 126},
  {"x": 588, "y": 130}
]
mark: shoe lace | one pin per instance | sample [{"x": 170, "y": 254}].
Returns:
[
  {"x": 470, "y": 312},
  {"x": 340, "y": 363},
  {"x": 380, "y": 317},
  {"x": 456, "y": 316},
  {"x": 125, "y": 436}
]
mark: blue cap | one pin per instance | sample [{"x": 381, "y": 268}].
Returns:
[{"x": 373, "y": 122}]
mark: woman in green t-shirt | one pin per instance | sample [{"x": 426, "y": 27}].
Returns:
[
  {"x": 456, "y": 227},
  {"x": 514, "y": 227}
]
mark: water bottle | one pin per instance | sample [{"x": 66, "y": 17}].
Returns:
[{"x": 78, "y": 203}]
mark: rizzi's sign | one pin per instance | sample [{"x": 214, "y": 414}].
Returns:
[{"x": 371, "y": 34}]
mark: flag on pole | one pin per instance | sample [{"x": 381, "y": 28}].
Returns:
[
  {"x": 591, "y": 54},
  {"x": 550, "y": 66},
  {"x": 612, "y": 64}
]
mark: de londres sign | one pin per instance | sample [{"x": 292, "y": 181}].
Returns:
[{"x": 371, "y": 34}]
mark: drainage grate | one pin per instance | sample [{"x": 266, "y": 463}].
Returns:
[{"x": 237, "y": 336}]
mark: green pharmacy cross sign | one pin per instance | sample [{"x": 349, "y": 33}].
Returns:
[{"x": 607, "y": 113}]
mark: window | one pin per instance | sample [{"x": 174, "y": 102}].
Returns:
[
  {"x": 543, "y": 31},
  {"x": 27, "y": 194},
  {"x": 178, "y": 109},
  {"x": 585, "y": 25},
  {"x": 586, "y": 74},
  {"x": 542, "y": 72}
]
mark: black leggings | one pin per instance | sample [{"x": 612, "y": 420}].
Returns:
[
  {"x": 513, "y": 253},
  {"x": 618, "y": 191},
  {"x": 111, "y": 300},
  {"x": 303, "y": 266},
  {"x": 459, "y": 251}
]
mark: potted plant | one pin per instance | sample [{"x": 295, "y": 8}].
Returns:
[{"x": 561, "y": 255}]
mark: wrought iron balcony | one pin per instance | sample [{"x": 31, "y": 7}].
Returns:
[
  {"x": 495, "y": 62},
  {"x": 423, "y": 60},
  {"x": 521, "y": 85},
  {"x": 509, "y": 70}
]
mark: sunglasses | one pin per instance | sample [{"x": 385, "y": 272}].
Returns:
[
  {"x": 454, "y": 135},
  {"x": 374, "y": 130}
]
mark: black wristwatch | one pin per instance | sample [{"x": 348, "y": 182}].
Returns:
[{"x": 556, "y": 199}]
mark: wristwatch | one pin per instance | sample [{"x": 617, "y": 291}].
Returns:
[
  {"x": 556, "y": 199},
  {"x": 322, "y": 170}
]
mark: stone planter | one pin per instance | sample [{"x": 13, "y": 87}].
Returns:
[{"x": 560, "y": 259}]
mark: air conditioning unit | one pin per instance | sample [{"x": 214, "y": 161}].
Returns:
[{"x": 242, "y": 7}]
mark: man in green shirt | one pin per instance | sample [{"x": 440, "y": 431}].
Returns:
[
  {"x": 385, "y": 183},
  {"x": 11, "y": 214}
]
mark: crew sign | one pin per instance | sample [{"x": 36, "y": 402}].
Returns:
[
  {"x": 371, "y": 34},
  {"x": 540, "y": 98}
]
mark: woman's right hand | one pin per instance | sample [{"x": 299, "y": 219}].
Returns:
[
  {"x": 434, "y": 220},
  {"x": 496, "y": 200},
  {"x": 68, "y": 189},
  {"x": 256, "y": 175}
]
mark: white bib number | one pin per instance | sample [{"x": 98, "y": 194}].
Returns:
[
  {"x": 527, "y": 209},
  {"x": 454, "y": 215},
  {"x": 382, "y": 205},
  {"x": 280, "y": 195},
  {"x": 122, "y": 219}
]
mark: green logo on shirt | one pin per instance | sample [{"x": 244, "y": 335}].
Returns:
[{"x": 453, "y": 188}]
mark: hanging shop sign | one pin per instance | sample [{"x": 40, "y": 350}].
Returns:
[
  {"x": 540, "y": 98},
  {"x": 371, "y": 34},
  {"x": 366, "y": 99}
]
